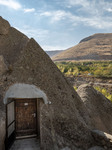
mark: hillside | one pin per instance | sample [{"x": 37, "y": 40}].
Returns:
[
  {"x": 53, "y": 53},
  {"x": 95, "y": 47}
]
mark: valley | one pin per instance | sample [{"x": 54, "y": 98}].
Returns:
[{"x": 97, "y": 73}]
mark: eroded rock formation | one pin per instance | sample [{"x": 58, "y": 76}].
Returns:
[
  {"x": 98, "y": 106},
  {"x": 65, "y": 121}
]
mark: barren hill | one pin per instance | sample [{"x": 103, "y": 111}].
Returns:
[
  {"x": 53, "y": 52},
  {"x": 95, "y": 47}
]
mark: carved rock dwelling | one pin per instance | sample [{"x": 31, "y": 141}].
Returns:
[{"x": 36, "y": 99}]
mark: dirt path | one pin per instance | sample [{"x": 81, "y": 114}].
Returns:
[{"x": 26, "y": 144}]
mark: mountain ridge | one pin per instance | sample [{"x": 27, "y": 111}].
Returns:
[
  {"x": 94, "y": 47},
  {"x": 53, "y": 52}
]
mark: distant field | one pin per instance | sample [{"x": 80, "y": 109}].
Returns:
[
  {"x": 94, "y": 68},
  {"x": 100, "y": 69}
]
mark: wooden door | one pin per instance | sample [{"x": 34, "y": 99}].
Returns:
[{"x": 26, "y": 117}]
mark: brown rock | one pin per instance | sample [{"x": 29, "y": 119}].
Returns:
[
  {"x": 98, "y": 106},
  {"x": 4, "y": 26},
  {"x": 104, "y": 139},
  {"x": 3, "y": 66}
]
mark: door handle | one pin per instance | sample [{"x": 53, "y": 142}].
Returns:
[{"x": 34, "y": 115}]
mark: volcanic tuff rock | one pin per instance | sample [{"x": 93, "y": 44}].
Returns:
[
  {"x": 65, "y": 123},
  {"x": 3, "y": 66},
  {"x": 103, "y": 139},
  {"x": 11, "y": 43},
  {"x": 98, "y": 106},
  {"x": 95, "y": 47},
  {"x": 4, "y": 26}
]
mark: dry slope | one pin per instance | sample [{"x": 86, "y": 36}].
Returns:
[{"x": 95, "y": 47}]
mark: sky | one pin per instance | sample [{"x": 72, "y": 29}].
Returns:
[{"x": 58, "y": 24}]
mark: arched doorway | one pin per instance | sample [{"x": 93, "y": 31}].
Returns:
[{"x": 22, "y": 112}]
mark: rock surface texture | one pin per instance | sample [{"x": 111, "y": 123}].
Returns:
[
  {"x": 4, "y": 26},
  {"x": 103, "y": 139},
  {"x": 64, "y": 122},
  {"x": 98, "y": 106}
]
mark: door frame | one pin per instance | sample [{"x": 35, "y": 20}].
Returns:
[
  {"x": 36, "y": 100},
  {"x": 8, "y": 143},
  {"x": 10, "y": 140}
]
